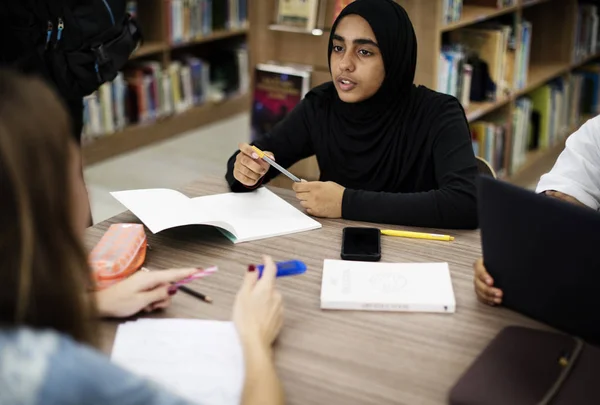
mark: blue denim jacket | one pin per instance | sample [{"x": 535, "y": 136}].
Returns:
[{"x": 44, "y": 367}]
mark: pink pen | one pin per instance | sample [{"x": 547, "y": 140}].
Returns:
[{"x": 200, "y": 274}]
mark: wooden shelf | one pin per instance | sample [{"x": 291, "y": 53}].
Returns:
[
  {"x": 150, "y": 48},
  {"x": 215, "y": 36},
  {"x": 585, "y": 60},
  {"x": 137, "y": 136},
  {"x": 537, "y": 76},
  {"x": 540, "y": 74},
  {"x": 476, "y": 14},
  {"x": 477, "y": 110},
  {"x": 529, "y": 3}
]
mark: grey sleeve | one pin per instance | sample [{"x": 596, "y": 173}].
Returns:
[{"x": 80, "y": 375}]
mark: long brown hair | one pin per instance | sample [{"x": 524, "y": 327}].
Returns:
[{"x": 44, "y": 274}]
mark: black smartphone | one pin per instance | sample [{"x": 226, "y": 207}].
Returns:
[{"x": 363, "y": 244}]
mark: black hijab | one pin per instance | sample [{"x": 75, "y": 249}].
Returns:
[{"x": 381, "y": 143}]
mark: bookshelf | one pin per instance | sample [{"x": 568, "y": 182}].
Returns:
[
  {"x": 554, "y": 35},
  {"x": 163, "y": 22},
  {"x": 554, "y": 30}
]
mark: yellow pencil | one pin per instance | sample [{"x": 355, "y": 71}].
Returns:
[{"x": 417, "y": 235}]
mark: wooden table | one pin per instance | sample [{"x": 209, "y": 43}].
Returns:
[{"x": 336, "y": 357}]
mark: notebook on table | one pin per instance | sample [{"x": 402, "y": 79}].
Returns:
[
  {"x": 412, "y": 287},
  {"x": 242, "y": 217}
]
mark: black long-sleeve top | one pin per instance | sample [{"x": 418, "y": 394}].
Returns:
[{"x": 426, "y": 181}]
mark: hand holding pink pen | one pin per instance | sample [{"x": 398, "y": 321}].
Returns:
[{"x": 179, "y": 285}]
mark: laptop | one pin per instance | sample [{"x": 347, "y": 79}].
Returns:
[{"x": 544, "y": 254}]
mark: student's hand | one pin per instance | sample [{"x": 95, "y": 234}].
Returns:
[
  {"x": 258, "y": 308},
  {"x": 144, "y": 290},
  {"x": 484, "y": 285},
  {"x": 321, "y": 199},
  {"x": 249, "y": 168},
  {"x": 564, "y": 197}
]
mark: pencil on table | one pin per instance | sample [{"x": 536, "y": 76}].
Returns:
[{"x": 196, "y": 294}]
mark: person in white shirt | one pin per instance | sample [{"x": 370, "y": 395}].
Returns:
[{"x": 575, "y": 177}]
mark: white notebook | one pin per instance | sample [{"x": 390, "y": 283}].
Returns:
[
  {"x": 374, "y": 286},
  {"x": 242, "y": 217},
  {"x": 199, "y": 360}
]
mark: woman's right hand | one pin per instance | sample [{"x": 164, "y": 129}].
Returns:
[
  {"x": 258, "y": 308},
  {"x": 484, "y": 285},
  {"x": 249, "y": 168}
]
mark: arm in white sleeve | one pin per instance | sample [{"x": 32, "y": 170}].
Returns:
[{"x": 577, "y": 169}]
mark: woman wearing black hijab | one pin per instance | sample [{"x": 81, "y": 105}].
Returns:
[{"x": 388, "y": 151}]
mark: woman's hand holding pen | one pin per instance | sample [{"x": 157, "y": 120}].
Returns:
[
  {"x": 146, "y": 291},
  {"x": 249, "y": 168},
  {"x": 321, "y": 199},
  {"x": 258, "y": 317}
]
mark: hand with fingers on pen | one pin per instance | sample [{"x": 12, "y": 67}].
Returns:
[
  {"x": 258, "y": 317},
  {"x": 249, "y": 168},
  {"x": 142, "y": 291},
  {"x": 484, "y": 285}
]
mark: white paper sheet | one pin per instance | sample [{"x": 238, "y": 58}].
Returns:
[{"x": 198, "y": 359}]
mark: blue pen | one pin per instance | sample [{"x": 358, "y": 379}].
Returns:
[{"x": 288, "y": 268}]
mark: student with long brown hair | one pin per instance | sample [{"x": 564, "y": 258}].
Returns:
[{"x": 47, "y": 316}]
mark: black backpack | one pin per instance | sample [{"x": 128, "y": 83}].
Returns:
[{"x": 82, "y": 43}]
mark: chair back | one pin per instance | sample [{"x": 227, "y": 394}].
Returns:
[{"x": 484, "y": 168}]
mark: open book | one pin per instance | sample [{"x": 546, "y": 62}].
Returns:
[{"x": 242, "y": 217}]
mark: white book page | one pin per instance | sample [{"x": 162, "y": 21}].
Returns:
[
  {"x": 256, "y": 215},
  {"x": 387, "y": 283},
  {"x": 246, "y": 216},
  {"x": 199, "y": 360},
  {"x": 158, "y": 209}
]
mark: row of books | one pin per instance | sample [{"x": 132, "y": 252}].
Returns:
[
  {"x": 485, "y": 63},
  {"x": 193, "y": 19},
  {"x": 543, "y": 117},
  {"x": 540, "y": 119},
  {"x": 307, "y": 14},
  {"x": 452, "y": 11},
  {"x": 586, "y": 32},
  {"x": 489, "y": 142},
  {"x": 550, "y": 113},
  {"x": 146, "y": 92}
]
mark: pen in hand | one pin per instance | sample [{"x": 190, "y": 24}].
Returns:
[{"x": 276, "y": 165}]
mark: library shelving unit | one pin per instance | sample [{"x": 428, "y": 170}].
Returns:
[
  {"x": 154, "y": 16},
  {"x": 553, "y": 39}
]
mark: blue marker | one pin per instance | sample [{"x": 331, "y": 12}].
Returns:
[{"x": 289, "y": 268}]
